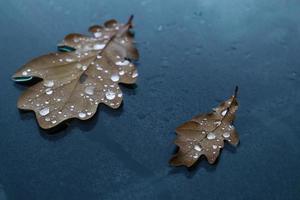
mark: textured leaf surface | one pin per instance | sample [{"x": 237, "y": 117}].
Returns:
[
  {"x": 86, "y": 74},
  {"x": 205, "y": 134}
]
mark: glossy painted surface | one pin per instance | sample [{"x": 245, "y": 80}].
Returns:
[{"x": 193, "y": 53}]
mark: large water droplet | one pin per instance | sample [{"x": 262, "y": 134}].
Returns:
[
  {"x": 89, "y": 90},
  {"x": 197, "y": 148},
  {"x": 115, "y": 77},
  {"x": 49, "y": 83},
  {"x": 211, "y": 136},
  {"x": 122, "y": 63},
  {"x": 110, "y": 95},
  {"x": 44, "y": 111}
]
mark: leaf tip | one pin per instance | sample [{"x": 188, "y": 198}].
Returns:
[
  {"x": 130, "y": 20},
  {"x": 236, "y": 90}
]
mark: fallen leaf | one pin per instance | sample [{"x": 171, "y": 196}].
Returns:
[
  {"x": 205, "y": 134},
  {"x": 84, "y": 75}
]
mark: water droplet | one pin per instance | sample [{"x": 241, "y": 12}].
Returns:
[
  {"x": 135, "y": 74},
  {"x": 224, "y": 112},
  {"x": 99, "y": 46},
  {"x": 211, "y": 136},
  {"x": 218, "y": 123},
  {"x": 82, "y": 115},
  {"x": 84, "y": 67},
  {"x": 121, "y": 73},
  {"x": 97, "y": 34},
  {"x": 214, "y": 146},
  {"x": 89, "y": 90},
  {"x": 120, "y": 95},
  {"x": 226, "y": 135},
  {"x": 69, "y": 60},
  {"x": 48, "y": 83},
  {"x": 197, "y": 148},
  {"x": 25, "y": 73},
  {"x": 53, "y": 122},
  {"x": 115, "y": 77},
  {"x": 49, "y": 91},
  {"x": 110, "y": 95},
  {"x": 44, "y": 111},
  {"x": 122, "y": 63}
]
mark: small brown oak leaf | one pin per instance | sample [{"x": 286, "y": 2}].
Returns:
[
  {"x": 77, "y": 80},
  {"x": 205, "y": 134}
]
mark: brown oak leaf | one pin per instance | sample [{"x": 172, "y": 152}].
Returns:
[
  {"x": 205, "y": 134},
  {"x": 75, "y": 82}
]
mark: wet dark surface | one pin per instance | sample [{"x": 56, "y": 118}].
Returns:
[{"x": 193, "y": 53}]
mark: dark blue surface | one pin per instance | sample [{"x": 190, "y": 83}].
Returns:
[{"x": 193, "y": 53}]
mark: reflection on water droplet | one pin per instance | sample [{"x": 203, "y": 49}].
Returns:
[
  {"x": 24, "y": 73},
  {"x": 122, "y": 63},
  {"x": 115, "y": 77},
  {"x": 49, "y": 91},
  {"x": 121, "y": 73},
  {"x": 211, "y": 136},
  {"x": 44, "y": 111},
  {"x": 214, "y": 146},
  {"x": 49, "y": 83},
  {"x": 224, "y": 112},
  {"x": 197, "y": 148},
  {"x": 82, "y": 115},
  {"x": 69, "y": 59},
  {"x": 89, "y": 90},
  {"x": 99, "y": 46},
  {"x": 218, "y": 123},
  {"x": 84, "y": 67},
  {"x": 135, "y": 74},
  {"x": 110, "y": 95},
  {"x": 226, "y": 135},
  {"x": 97, "y": 34}
]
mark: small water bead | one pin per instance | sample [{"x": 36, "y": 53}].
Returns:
[
  {"x": 69, "y": 60},
  {"x": 53, "y": 122},
  {"x": 135, "y": 74},
  {"x": 121, "y": 73},
  {"x": 226, "y": 135},
  {"x": 120, "y": 95},
  {"x": 115, "y": 77},
  {"x": 97, "y": 34},
  {"x": 84, "y": 67},
  {"x": 211, "y": 136},
  {"x": 122, "y": 63},
  {"x": 44, "y": 111},
  {"x": 218, "y": 123},
  {"x": 89, "y": 90},
  {"x": 224, "y": 112},
  {"x": 47, "y": 119},
  {"x": 99, "y": 46},
  {"x": 48, "y": 83},
  {"x": 49, "y": 91},
  {"x": 82, "y": 115},
  {"x": 99, "y": 57},
  {"x": 197, "y": 148},
  {"x": 24, "y": 73},
  {"x": 214, "y": 146},
  {"x": 110, "y": 95}
]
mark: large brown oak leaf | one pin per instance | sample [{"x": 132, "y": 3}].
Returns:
[{"x": 75, "y": 82}]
